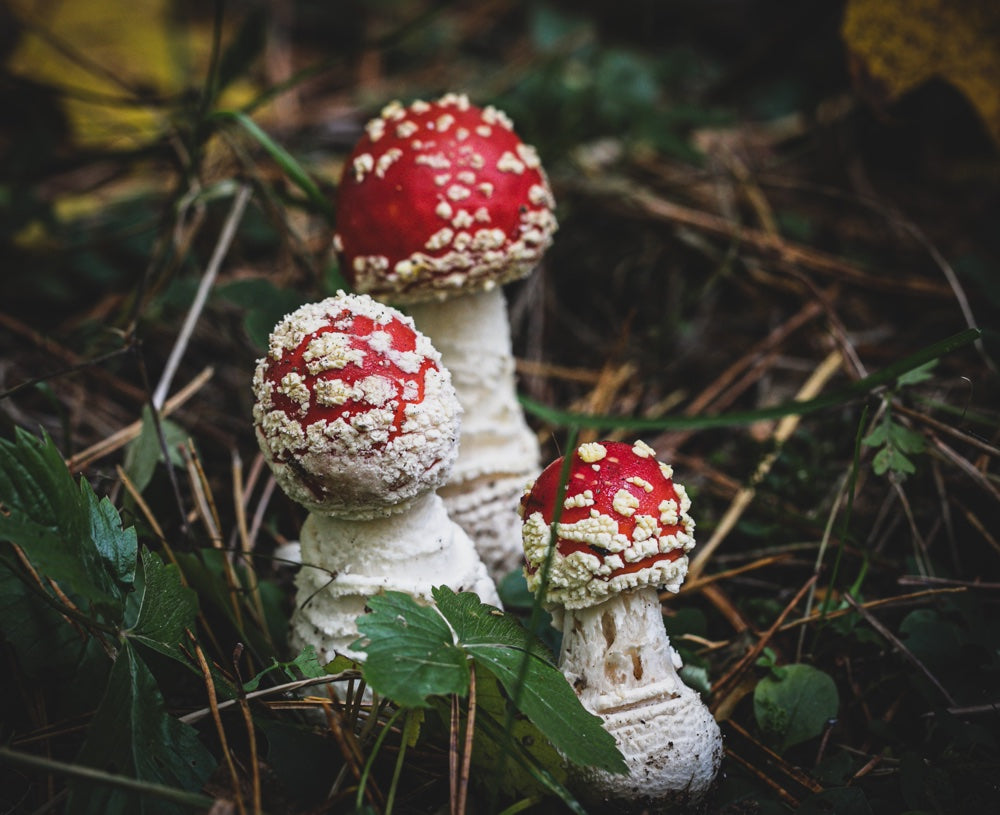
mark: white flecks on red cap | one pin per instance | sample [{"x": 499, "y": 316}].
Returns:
[
  {"x": 624, "y": 524},
  {"x": 354, "y": 411},
  {"x": 440, "y": 196}
]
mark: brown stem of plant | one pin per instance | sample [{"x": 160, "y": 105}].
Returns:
[
  {"x": 470, "y": 726},
  {"x": 213, "y": 704}
]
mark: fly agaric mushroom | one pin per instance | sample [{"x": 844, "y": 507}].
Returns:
[
  {"x": 439, "y": 205},
  {"x": 624, "y": 530},
  {"x": 359, "y": 423}
]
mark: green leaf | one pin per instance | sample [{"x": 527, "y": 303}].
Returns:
[
  {"x": 412, "y": 653},
  {"x": 906, "y": 440},
  {"x": 144, "y": 452},
  {"x": 168, "y": 608},
  {"x": 491, "y": 748},
  {"x": 415, "y": 652},
  {"x": 796, "y": 707},
  {"x": 878, "y": 436},
  {"x": 132, "y": 734},
  {"x": 116, "y": 546},
  {"x": 499, "y": 642},
  {"x": 265, "y": 305},
  {"x": 66, "y": 533}
]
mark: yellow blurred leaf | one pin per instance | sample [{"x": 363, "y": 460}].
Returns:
[
  {"x": 896, "y": 45},
  {"x": 116, "y": 62}
]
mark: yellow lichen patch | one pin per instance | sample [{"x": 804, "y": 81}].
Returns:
[{"x": 896, "y": 45}]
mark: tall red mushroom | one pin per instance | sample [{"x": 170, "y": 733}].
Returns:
[
  {"x": 359, "y": 422},
  {"x": 439, "y": 205},
  {"x": 623, "y": 533}
]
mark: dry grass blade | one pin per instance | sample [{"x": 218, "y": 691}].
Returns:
[
  {"x": 220, "y": 729},
  {"x": 118, "y": 440},
  {"x": 207, "y": 281},
  {"x": 786, "y": 426}
]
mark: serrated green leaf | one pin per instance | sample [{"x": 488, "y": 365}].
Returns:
[
  {"x": 411, "y": 651},
  {"x": 878, "y": 436},
  {"x": 906, "y": 440},
  {"x": 66, "y": 533},
  {"x": 116, "y": 545},
  {"x": 796, "y": 707},
  {"x": 547, "y": 699},
  {"x": 882, "y": 461},
  {"x": 476, "y": 623},
  {"x": 133, "y": 735},
  {"x": 524, "y": 737},
  {"x": 167, "y": 608}
]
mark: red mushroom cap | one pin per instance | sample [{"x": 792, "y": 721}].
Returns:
[
  {"x": 624, "y": 524},
  {"x": 439, "y": 196},
  {"x": 354, "y": 411}
]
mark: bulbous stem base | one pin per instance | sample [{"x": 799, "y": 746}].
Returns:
[{"x": 619, "y": 659}]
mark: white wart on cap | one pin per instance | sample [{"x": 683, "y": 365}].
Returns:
[
  {"x": 439, "y": 196},
  {"x": 354, "y": 411}
]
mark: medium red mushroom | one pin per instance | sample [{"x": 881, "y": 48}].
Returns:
[
  {"x": 623, "y": 533},
  {"x": 359, "y": 423},
  {"x": 439, "y": 205}
]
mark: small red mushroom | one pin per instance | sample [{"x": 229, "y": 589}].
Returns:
[
  {"x": 439, "y": 204},
  {"x": 623, "y": 533},
  {"x": 624, "y": 523},
  {"x": 359, "y": 423}
]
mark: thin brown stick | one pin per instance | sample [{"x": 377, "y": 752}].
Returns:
[
  {"x": 793, "y": 772},
  {"x": 245, "y": 547},
  {"x": 71, "y": 358},
  {"x": 697, "y": 584},
  {"x": 470, "y": 726},
  {"x": 901, "y": 599},
  {"x": 210, "y": 519},
  {"x": 453, "y": 758},
  {"x": 722, "y": 687},
  {"x": 213, "y": 704}
]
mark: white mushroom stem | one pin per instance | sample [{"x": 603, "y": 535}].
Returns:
[
  {"x": 617, "y": 656},
  {"x": 344, "y": 562},
  {"x": 498, "y": 453}
]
